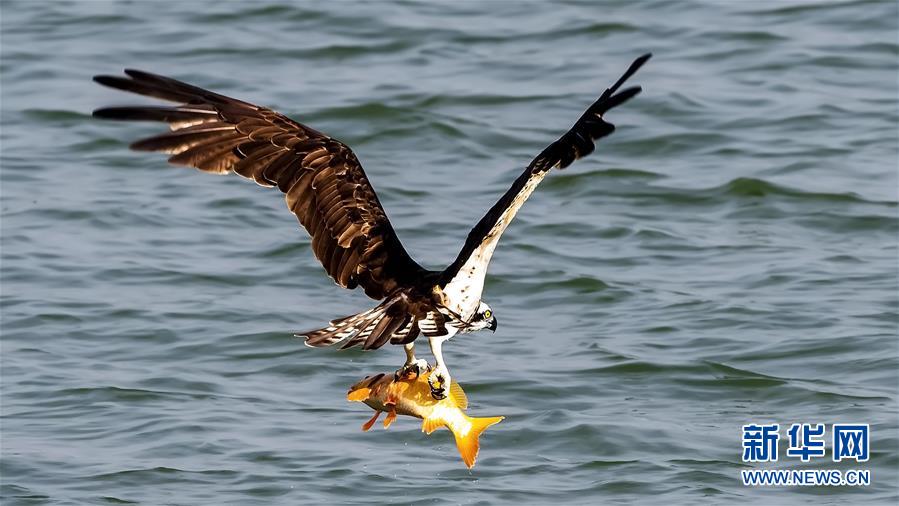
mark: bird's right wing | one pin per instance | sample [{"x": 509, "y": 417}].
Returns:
[
  {"x": 323, "y": 182},
  {"x": 463, "y": 280}
]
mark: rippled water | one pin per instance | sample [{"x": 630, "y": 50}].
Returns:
[{"x": 728, "y": 256}]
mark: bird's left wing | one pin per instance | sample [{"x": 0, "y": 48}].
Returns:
[
  {"x": 463, "y": 280},
  {"x": 323, "y": 182}
]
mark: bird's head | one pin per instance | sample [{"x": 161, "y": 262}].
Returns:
[{"x": 483, "y": 318}]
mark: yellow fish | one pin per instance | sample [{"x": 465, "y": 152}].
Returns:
[{"x": 411, "y": 396}]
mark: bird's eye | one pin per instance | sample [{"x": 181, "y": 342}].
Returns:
[{"x": 488, "y": 313}]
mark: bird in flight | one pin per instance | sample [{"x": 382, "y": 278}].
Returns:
[{"x": 327, "y": 190}]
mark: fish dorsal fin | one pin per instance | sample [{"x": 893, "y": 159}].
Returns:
[{"x": 458, "y": 396}]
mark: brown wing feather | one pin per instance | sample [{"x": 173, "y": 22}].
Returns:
[{"x": 323, "y": 182}]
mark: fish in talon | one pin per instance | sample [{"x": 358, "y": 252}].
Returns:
[{"x": 411, "y": 396}]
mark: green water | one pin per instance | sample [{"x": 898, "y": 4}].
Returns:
[{"x": 728, "y": 256}]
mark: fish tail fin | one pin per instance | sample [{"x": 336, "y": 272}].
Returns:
[{"x": 468, "y": 443}]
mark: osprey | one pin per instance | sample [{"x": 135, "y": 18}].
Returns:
[{"x": 327, "y": 190}]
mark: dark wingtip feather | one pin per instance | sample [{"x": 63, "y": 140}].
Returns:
[
  {"x": 641, "y": 60},
  {"x": 152, "y": 85},
  {"x": 634, "y": 67},
  {"x": 631, "y": 70},
  {"x": 143, "y": 75},
  {"x": 110, "y": 81},
  {"x": 117, "y": 113},
  {"x": 618, "y": 99},
  {"x": 580, "y": 140}
]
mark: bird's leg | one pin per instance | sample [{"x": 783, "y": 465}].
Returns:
[
  {"x": 413, "y": 367},
  {"x": 440, "y": 379}
]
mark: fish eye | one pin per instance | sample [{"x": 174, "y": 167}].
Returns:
[{"x": 488, "y": 313}]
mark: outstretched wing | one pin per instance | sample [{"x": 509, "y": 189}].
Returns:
[
  {"x": 464, "y": 279},
  {"x": 323, "y": 182}
]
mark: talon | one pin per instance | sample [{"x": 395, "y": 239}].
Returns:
[
  {"x": 411, "y": 370},
  {"x": 439, "y": 384}
]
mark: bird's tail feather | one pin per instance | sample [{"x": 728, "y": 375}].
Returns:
[{"x": 370, "y": 329}]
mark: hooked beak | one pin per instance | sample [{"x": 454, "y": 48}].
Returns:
[{"x": 492, "y": 326}]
